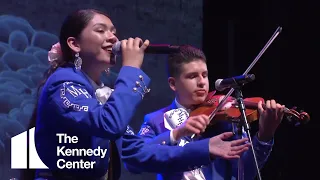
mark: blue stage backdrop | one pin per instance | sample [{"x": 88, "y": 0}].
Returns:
[{"x": 28, "y": 29}]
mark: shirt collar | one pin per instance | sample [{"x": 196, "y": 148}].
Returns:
[{"x": 180, "y": 106}]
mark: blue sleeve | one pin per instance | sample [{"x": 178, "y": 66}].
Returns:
[
  {"x": 148, "y": 133},
  {"x": 140, "y": 156},
  {"x": 147, "y": 130},
  {"x": 84, "y": 113},
  {"x": 262, "y": 151}
]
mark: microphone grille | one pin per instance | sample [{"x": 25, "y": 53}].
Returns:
[
  {"x": 217, "y": 85},
  {"x": 116, "y": 48}
]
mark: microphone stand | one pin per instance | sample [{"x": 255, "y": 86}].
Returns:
[{"x": 243, "y": 124}]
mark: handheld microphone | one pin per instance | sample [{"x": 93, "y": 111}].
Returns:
[
  {"x": 151, "y": 49},
  {"x": 222, "y": 84}
]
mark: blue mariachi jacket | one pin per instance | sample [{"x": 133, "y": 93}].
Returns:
[
  {"x": 219, "y": 169},
  {"x": 68, "y": 105}
]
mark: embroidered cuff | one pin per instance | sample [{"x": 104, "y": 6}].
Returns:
[
  {"x": 269, "y": 143},
  {"x": 262, "y": 148},
  {"x": 140, "y": 79}
]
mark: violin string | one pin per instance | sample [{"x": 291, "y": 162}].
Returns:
[
  {"x": 286, "y": 110},
  {"x": 220, "y": 105},
  {"x": 248, "y": 103}
]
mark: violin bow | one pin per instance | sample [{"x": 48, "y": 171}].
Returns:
[
  {"x": 220, "y": 105},
  {"x": 273, "y": 37}
]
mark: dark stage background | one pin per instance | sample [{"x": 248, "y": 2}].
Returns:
[
  {"x": 230, "y": 33},
  {"x": 234, "y": 34}
]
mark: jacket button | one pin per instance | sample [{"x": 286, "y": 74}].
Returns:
[{"x": 163, "y": 142}]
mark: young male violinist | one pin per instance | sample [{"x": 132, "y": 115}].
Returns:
[{"x": 188, "y": 78}]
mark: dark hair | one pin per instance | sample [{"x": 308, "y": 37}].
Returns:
[
  {"x": 72, "y": 26},
  {"x": 186, "y": 54}
]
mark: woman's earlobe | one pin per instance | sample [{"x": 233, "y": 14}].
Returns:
[{"x": 73, "y": 44}]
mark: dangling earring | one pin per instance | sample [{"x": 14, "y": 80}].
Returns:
[
  {"x": 78, "y": 61},
  {"x": 107, "y": 71}
]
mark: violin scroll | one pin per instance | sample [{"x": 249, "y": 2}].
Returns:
[{"x": 295, "y": 117}]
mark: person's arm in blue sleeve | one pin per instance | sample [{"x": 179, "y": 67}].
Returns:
[
  {"x": 86, "y": 113},
  {"x": 140, "y": 156},
  {"x": 148, "y": 133},
  {"x": 262, "y": 151}
]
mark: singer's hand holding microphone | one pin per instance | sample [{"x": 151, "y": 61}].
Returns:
[{"x": 132, "y": 51}]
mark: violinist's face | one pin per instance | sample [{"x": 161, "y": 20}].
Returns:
[{"x": 192, "y": 85}]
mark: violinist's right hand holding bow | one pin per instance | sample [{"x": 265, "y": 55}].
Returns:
[{"x": 193, "y": 125}]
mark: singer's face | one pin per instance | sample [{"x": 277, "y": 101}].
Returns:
[
  {"x": 192, "y": 85},
  {"x": 96, "y": 42}
]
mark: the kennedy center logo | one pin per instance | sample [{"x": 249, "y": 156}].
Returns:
[{"x": 19, "y": 153}]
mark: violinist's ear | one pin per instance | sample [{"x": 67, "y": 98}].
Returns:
[{"x": 172, "y": 83}]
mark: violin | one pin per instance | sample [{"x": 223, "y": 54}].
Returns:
[{"x": 230, "y": 111}]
